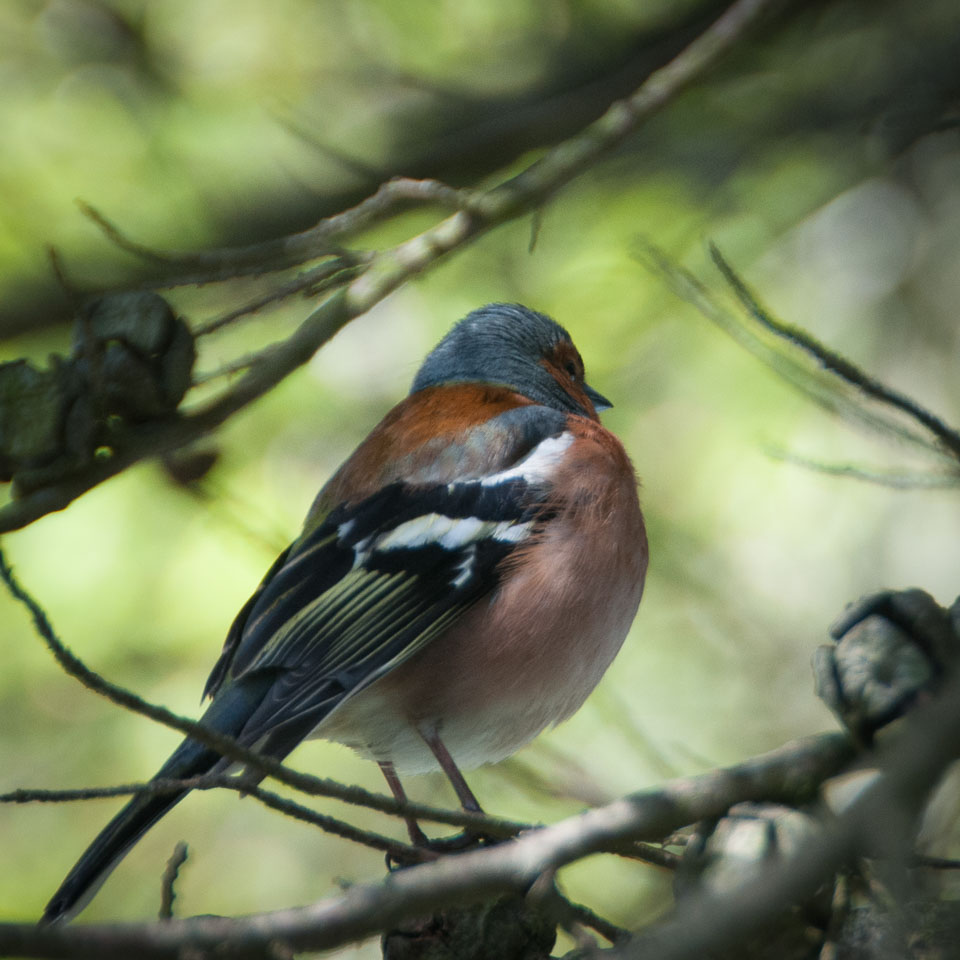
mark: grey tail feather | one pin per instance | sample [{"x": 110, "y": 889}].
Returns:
[{"x": 123, "y": 831}]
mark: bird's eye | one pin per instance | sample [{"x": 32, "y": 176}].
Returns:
[{"x": 571, "y": 368}]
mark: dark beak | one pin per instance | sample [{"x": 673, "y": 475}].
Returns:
[{"x": 600, "y": 402}]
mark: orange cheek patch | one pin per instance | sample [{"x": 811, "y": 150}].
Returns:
[{"x": 570, "y": 386}]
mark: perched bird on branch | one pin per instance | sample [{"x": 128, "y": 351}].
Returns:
[{"x": 461, "y": 582}]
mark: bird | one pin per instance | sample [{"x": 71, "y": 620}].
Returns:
[{"x": 461, "y": 583}]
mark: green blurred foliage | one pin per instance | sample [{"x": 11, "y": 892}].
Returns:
[{"x": 170, "y": 116}]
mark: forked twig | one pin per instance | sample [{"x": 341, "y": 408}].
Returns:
[
  {"x": 320, "y": 240},
  {"x": 833, "y": 362}
]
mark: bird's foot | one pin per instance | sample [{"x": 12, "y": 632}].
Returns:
[{"x": 431, "y": 849}]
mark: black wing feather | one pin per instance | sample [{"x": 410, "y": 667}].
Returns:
[{"x": 362, "y": 592}]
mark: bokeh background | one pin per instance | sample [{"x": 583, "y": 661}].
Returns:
[{"x": 823, "y": 157}]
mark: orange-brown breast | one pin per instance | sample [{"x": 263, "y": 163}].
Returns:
[{"x": 528, "y": 655}]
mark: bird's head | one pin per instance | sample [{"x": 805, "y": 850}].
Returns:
[{"x": 510, "y": 345}]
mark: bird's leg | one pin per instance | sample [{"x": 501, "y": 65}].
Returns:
[
  {"x": 468, "y": 801},
  {"x": 465, "y": 795},
  {"x": 417, "y": 837}
]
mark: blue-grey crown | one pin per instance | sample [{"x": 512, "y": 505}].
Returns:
[{"x": 504, "y": 344}]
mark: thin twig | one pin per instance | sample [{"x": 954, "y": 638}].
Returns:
[
  {"x": 282, "y": 252},
  {"x": 311, "y": 282},
  {"x": 228, "y": 747},
  {"x": 43, "y": 795},
  {"x": 651, "y": 853},
  {"x": 826, "y": 393},
  {"x": 832, "y": 361},
  {"x": 360, "y": 168},
  {"x": 933, "y": 863},
  {"x": 235, "y": 366},
  {"x": 896, "y": 479},
  {"x": 172, "y": 870},
  {"x": 116, "y": 236},
  {"x": 588, "y": 918},
  {"x": 398, "y": 851},
  {"x": 290, "y": 808},
  {"x": 68, "y": 289}
]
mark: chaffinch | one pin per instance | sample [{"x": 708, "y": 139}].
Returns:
[{"x": 461, "y": 582}]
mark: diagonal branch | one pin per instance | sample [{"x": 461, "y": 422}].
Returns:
[
  {"x": 392, "y": 267},
  {"x": 833, "y": 393},
  {"x": 328, "y": 275},
  {"x": 832, "y": 361}
]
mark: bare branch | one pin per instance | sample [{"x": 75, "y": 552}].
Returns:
[
  {"x": 330, "y": 273},
  {"x": 830, "y": 393},
  {"x": 934, "y": 863},
  {"x": 633, "y": 850},
  {"x": 792, "y": 772},
  {"x": 832, "y": 361},
  {"x": 399, "y": 851},
  {"x": 42, "y": 795},
  {"x": 390, "y": 268}
]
